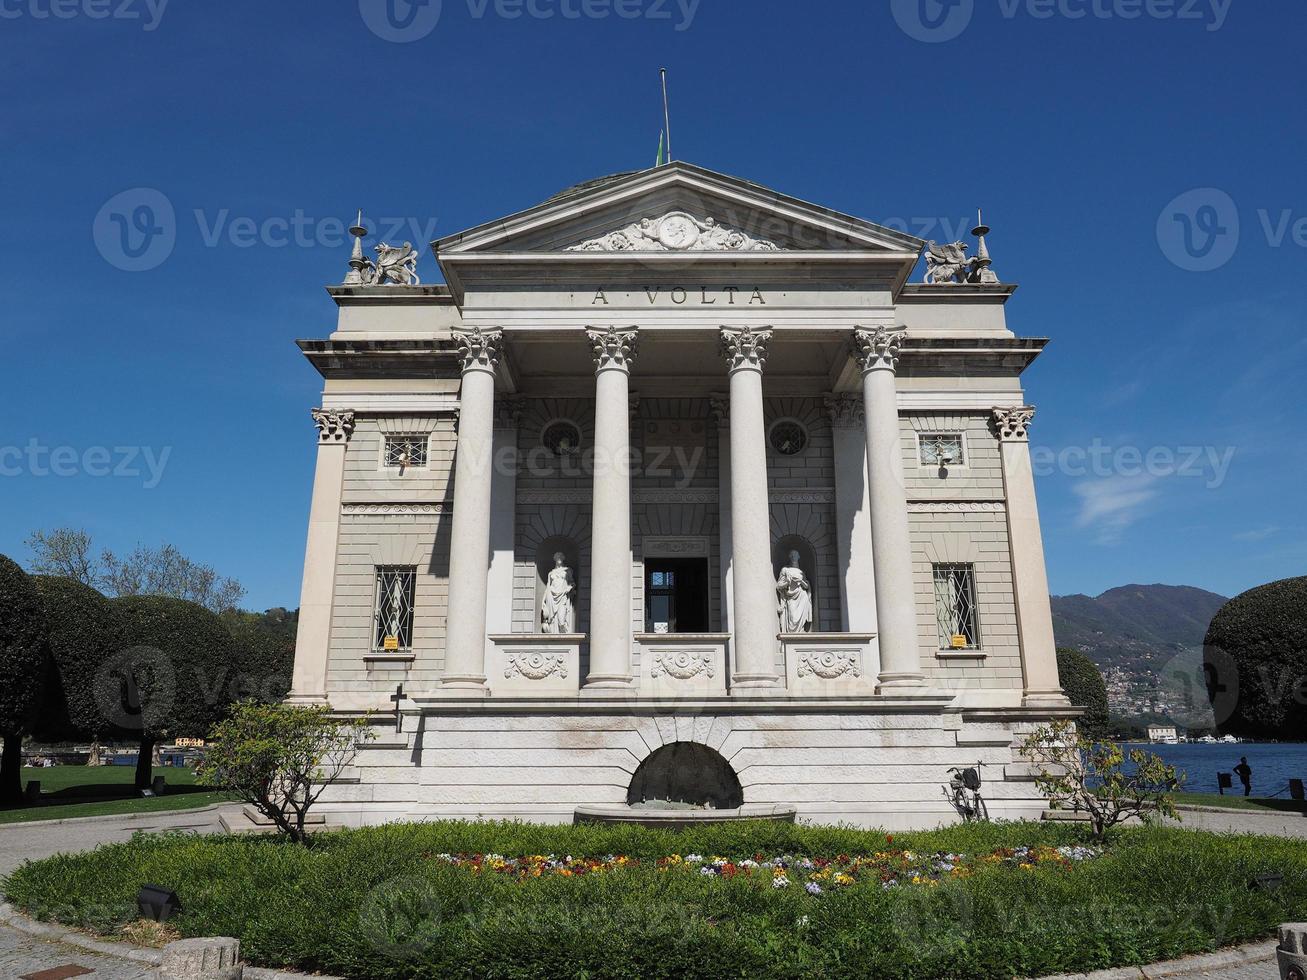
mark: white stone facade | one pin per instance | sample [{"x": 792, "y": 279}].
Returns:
[{"x": 675, "y": 379}]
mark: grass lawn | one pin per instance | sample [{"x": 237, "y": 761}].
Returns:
[
  {"x": 764, "y": 900},
  {"x": 85, "y": 791},
  {"x": 1237, "y": 801}
]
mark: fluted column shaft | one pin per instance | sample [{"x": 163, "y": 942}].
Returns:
[
  {"x": 1026, "y": 545},
  {"x": 891, "y": 546},
  {"x": 610, "y": 557},
  {"x": 754, "y": 615},
  {"x": 469, "y": 548}
]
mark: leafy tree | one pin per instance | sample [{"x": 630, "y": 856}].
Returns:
[
  {"x": 82, "y": 635},
  {"x": 23, "y": 667},
  {"x": 165, "y": 571},
  {"x": 280, "y": 758},
  {"x": 64, "y": 552},
  {"x": 171, "y": 675},
  {"x": 1255, "y": 661},
  {"x": 1091, "y": 777},
  {"x": 1085, "y": 687},
  {"x": 263, "y": 657}
]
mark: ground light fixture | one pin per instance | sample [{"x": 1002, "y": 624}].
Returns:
[
  {"x": 1267, "y": 881},
  {"x": 157, "y": 902}
]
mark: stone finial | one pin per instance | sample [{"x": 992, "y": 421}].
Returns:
[
  {"x": 1013, "y": 424},
  {"x": 981, "y": 271},
  {"x": 480, "y": 349},
  {"x": 333, "y": 425},
  {"x": 216, "y": 958},
  {"x": 1291, "y": 954},
  {"x": 845, "y": 411},
  {"x": 359, "y": 264},
  {"x": 744, "y": 347},
  {"x": 878, "y": 349},
  {"x": 949, "y": 265},
  {"x": 612, "y": 348}
]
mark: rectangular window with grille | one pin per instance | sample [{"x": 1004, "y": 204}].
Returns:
[
  {"x": 955, "y": 607},
  {"x": 403, "y": 452},
  {"x": 393, "y": 611},
  {"x": 940, "y": 448}
]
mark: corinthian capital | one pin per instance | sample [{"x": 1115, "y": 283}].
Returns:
[
  {"x": 1013, "y": 424},
  {"x": 480, "y": 349},
  {"x": 745, "y": 347},
  {"x": 612, "y": 348},
  {"x": 845, "y": 411},
  {"x": 878, "y": 349},
  {"x": 333, "y": 426}
]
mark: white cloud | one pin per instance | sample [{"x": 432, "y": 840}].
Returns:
[
  {"x": 1110, "y": 505},
  {"x": 1257, "y": 534}
]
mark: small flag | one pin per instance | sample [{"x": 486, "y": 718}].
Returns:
[{"x": 662, "y": 153}]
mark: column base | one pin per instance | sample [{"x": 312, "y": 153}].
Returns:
[
  {"x": 307, "y": 700},
  {"x": 467, "y": 684},
  {"x": 605, "y": 683},
  {"x": 1042, "y": 699},
  {"x": 894, "y": 681},
  {"x": 755, "y": 683}
]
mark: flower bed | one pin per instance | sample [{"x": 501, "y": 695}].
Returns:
[
  {"x": 888, "y": 868},
  {"x": 743, "y": 900}
]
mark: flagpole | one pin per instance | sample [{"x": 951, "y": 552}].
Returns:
[{"x": 667, "y": 115}]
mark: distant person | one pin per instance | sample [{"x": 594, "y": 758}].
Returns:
[{"x": 1245, "y": 774}]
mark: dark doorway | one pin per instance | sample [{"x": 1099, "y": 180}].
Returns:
[
  {"x": 676, "y": 595},
  {"x": 686, "y": 772}
]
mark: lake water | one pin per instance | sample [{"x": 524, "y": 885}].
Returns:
[{"x": 1272, "y": 765}]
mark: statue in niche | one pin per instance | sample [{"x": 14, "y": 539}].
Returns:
[
  {"x": 557, "y": 609},
  {"x": 793, "y": 598}
]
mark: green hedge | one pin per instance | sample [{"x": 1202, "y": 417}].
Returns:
[
  {"x": 379, "y": 903},
  {"x": 1085, "y": 686},
  {"x": 1255, "y": 655},
  {"x": 82, "y": 636}
]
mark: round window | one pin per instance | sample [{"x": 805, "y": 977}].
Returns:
[
  {"x": 789, "y": 437},
  {"x": 561, "y": 437}
]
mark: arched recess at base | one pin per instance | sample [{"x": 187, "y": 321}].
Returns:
[{"x": 686, "y": 772}]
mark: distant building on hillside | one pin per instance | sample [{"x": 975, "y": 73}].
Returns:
[{"x": 1166, "y": 734}]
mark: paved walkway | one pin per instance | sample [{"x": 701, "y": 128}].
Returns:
[{"x": 22, "y": 955}]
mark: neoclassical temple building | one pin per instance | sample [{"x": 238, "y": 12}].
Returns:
[{"x": 679, "y": 489}]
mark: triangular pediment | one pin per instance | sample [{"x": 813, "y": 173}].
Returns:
[{"x": 677, "y": 208}]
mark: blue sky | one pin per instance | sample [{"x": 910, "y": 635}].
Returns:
[{"x": 1170, "y": 434}]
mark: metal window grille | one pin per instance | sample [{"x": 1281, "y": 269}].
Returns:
[
  {"x": 955, "y": 607},
  {"x": 789, "y": 437},
  {"x": 406, "y": 451},
  {"x": 941, "y": 447},
  {"x": 562, "y": 438},
  {"x": 394, "y": 607}
]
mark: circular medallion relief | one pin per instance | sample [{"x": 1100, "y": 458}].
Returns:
[
  {"x": 561, "y": 437},
  {"x": 788, "y": 437},
  {"x": 678, "y": 231}
]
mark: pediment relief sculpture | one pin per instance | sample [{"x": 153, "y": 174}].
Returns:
[{"x": 676, "y": 231}]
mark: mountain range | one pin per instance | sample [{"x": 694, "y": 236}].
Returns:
[{"x": 1136, "y": 628}]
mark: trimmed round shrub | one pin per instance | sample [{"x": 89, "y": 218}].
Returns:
[
  {"x": 264, "y": 662},
  {"x": 82, "y": 635},
  {"x": 171, "y": 676},
  {"x": 1255, "y": 661},
  {"x": 23, "y": 661},
  {"x": 1085, "y": 686}
]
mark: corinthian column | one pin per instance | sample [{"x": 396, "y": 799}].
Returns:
[
  {"x": 1026, "y": 544},
  {"x": 753, "y": 624},
  {"x": 469, "y": 547},
  {"x": 891, "y": 547},
  {"x": 313, "y": 635},
  {"x": 610, "y": 555}
]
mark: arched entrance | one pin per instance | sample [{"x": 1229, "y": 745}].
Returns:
[{"x": 686, "y": 772}]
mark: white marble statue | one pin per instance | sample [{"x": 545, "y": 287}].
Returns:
[
  {"x": 793, "y": 598},
  {"x": 557, "y": 611}
]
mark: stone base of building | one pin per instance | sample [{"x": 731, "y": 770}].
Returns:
[{"x": 874, "y": 762}]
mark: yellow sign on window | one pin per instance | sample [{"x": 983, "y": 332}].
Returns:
[
  {"x": 959, "y": 641},
  {"x": 390, "y": 643}
]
